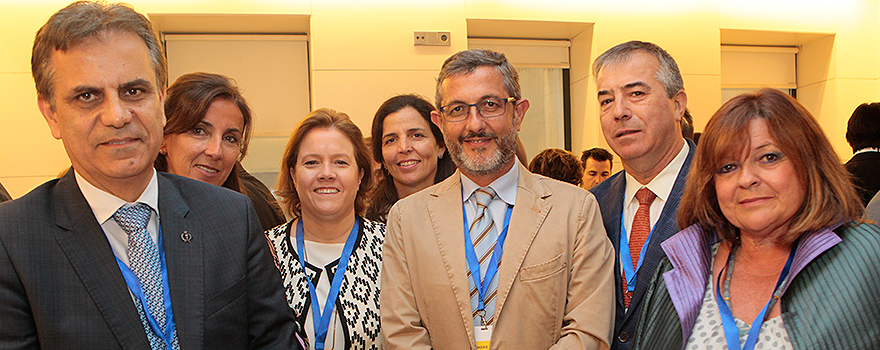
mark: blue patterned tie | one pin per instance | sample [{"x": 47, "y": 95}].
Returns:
[
  {"x": 484, "y": 236},
  {"x": 143, "y": 259}
]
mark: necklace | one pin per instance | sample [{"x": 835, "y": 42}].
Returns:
[
  {"x": 726, "y": 293},
  {"x": 731, "y": 331}
]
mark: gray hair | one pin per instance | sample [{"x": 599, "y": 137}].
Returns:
[
  {"x": 667, "y": 74},
  {"x": 88, "y": 19},
  {"x": 464, "y": 62}
]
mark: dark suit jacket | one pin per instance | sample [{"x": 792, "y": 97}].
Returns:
[
  {"x": 4, "y": 196},
  {"x": 61, "y": 288},
  {"x": 865, "y": 170},
  {"x": 610, "y": 193}
]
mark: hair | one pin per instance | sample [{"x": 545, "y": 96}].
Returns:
[
  {"x": 384, "y": 195},
  {"x": 465, "y": 62},
  {"x": 322, "y": 118},
  {"x": 687, "y": 125},
  {"x": 829, "y": 196},
  {"x": 599, "y": 154},
  {"x": 186, "y": 104},
  {"x": 667, "y": 73},
  {"x": 558, "y": 164},
  {"x": 863, "y": 128},
  {"x": 82, "y": 20}
]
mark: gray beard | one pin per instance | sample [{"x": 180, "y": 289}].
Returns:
[{"x": 484, "y": 164}]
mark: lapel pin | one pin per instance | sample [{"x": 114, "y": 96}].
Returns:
[{"x": 185, "y": 237}]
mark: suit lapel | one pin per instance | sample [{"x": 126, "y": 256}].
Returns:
[
  {"x": 610, "y": 198},
  {"x": 183, "y": 240},
  {"x": 447, "y": 220},
  {"x": 528, "y": 215},
  {"x": 86, "y": 247},
  {"x": 666, "y": 226}
]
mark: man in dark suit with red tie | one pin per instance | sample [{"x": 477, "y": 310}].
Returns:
[
  {"x": 115, "y": 255},
  {"x": 642, "y": 101}
]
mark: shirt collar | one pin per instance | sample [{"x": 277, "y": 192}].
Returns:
[
  {"x": 504, "y": 186},
  {"x": 104, "y": 204},
  {"x": 661, "y": 184},
  {"x": 867, "y": 149}
]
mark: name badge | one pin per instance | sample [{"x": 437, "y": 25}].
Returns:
[{"x": 483, "y": 334}]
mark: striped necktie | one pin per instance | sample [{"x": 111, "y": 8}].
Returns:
[{"x": 483, "y": 235}]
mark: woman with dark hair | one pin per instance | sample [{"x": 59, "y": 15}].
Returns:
[
  {"x": 330, "y": 257},
  {"x": 772, "y": 255},
  {"x": 410, "y": 149},
  {"x": 558, "y": 164},
  {"x": 207, "y": 135}
]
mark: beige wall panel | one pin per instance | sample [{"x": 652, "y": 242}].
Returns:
[
  {"x": 28, "y": 146},
  {"x": 364, "y": 36},
  {"x": 586, "y": 132},
  {"x": 857, "y": 34},
  {"x": 19, "y": 186},
  {"x": 530, "y": 10},
  {"x": 264, "y": 154},
  {"x": 19, "y": 22},
  {"x": 814, "y": 61},
  {"x": 359, "y": 93},
  {"x": 223, "y": 6},
  {"x": 704, "y": 97},
  {"x": 832, "y": 110},
  {"x": 687, "y": 29},
  {"x": 782, "y": 15},
  {"x": 581, "y": 52}
]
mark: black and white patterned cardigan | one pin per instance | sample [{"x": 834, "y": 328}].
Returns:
[{"x": 359, "y": 294}]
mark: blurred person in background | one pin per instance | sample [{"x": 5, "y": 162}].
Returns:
[{"x": 558, "y": 164}]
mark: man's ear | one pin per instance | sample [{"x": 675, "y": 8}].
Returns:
[
  {"x": 437, "y": 120},
  {"x": 162, "y": 106},
  {"x": 48, "y": 112},
  {"x": 680, "y": 104},
  {"x": 519, "y": 112}
]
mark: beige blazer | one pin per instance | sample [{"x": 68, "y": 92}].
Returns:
[{"x": 555, "y": 287}]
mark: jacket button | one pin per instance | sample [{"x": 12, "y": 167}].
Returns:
[{"x": 623, "y": 337}]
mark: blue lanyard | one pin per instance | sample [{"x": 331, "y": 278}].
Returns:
[
  {"x": 320, "y": 319},
  {"x": 474, "y": 263},
  {"x": 134, "y": 284},
  {"x": 629, "y": 271},
  {"x": 731, "y": 332}
]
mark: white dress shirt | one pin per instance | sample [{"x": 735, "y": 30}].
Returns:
[
  {"x": 104, "y": 205},
  {"x": 661, "y": 185}
]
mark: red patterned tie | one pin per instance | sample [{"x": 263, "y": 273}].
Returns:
[{"x": 641, "y": 228}]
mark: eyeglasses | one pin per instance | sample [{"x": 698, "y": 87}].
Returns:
[{"x": 489, "y": 108}]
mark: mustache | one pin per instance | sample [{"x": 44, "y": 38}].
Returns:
[{"x": 478, "y": 134}]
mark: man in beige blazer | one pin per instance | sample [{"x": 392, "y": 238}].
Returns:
[{"x": 553, "y": 286}]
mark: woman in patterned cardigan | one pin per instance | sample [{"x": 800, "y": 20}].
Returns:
[{"x": 330, "y": 258}]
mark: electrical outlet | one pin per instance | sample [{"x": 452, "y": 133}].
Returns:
[
  {"x": 420, "y": 38},
  {"x": 432, "y": 38}
]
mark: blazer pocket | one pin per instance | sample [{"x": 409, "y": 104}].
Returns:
[
  {"x": 226, "y": 297},
  {"x": 543, "y": 270}
]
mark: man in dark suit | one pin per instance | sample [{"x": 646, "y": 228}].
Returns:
[
  {"x": 642, "y": 101},
  {"x": 863, "y": 135},
  {"x": 114, "y": 255}
]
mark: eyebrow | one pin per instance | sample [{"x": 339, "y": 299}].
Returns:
[
  {"x": 485, "y": 97},
  {"x": 140, "y": 82},
  {"x": 627, "y": 87},
  {"x": 206, "y": 123},
  {"x": 636, "y": 84}
]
